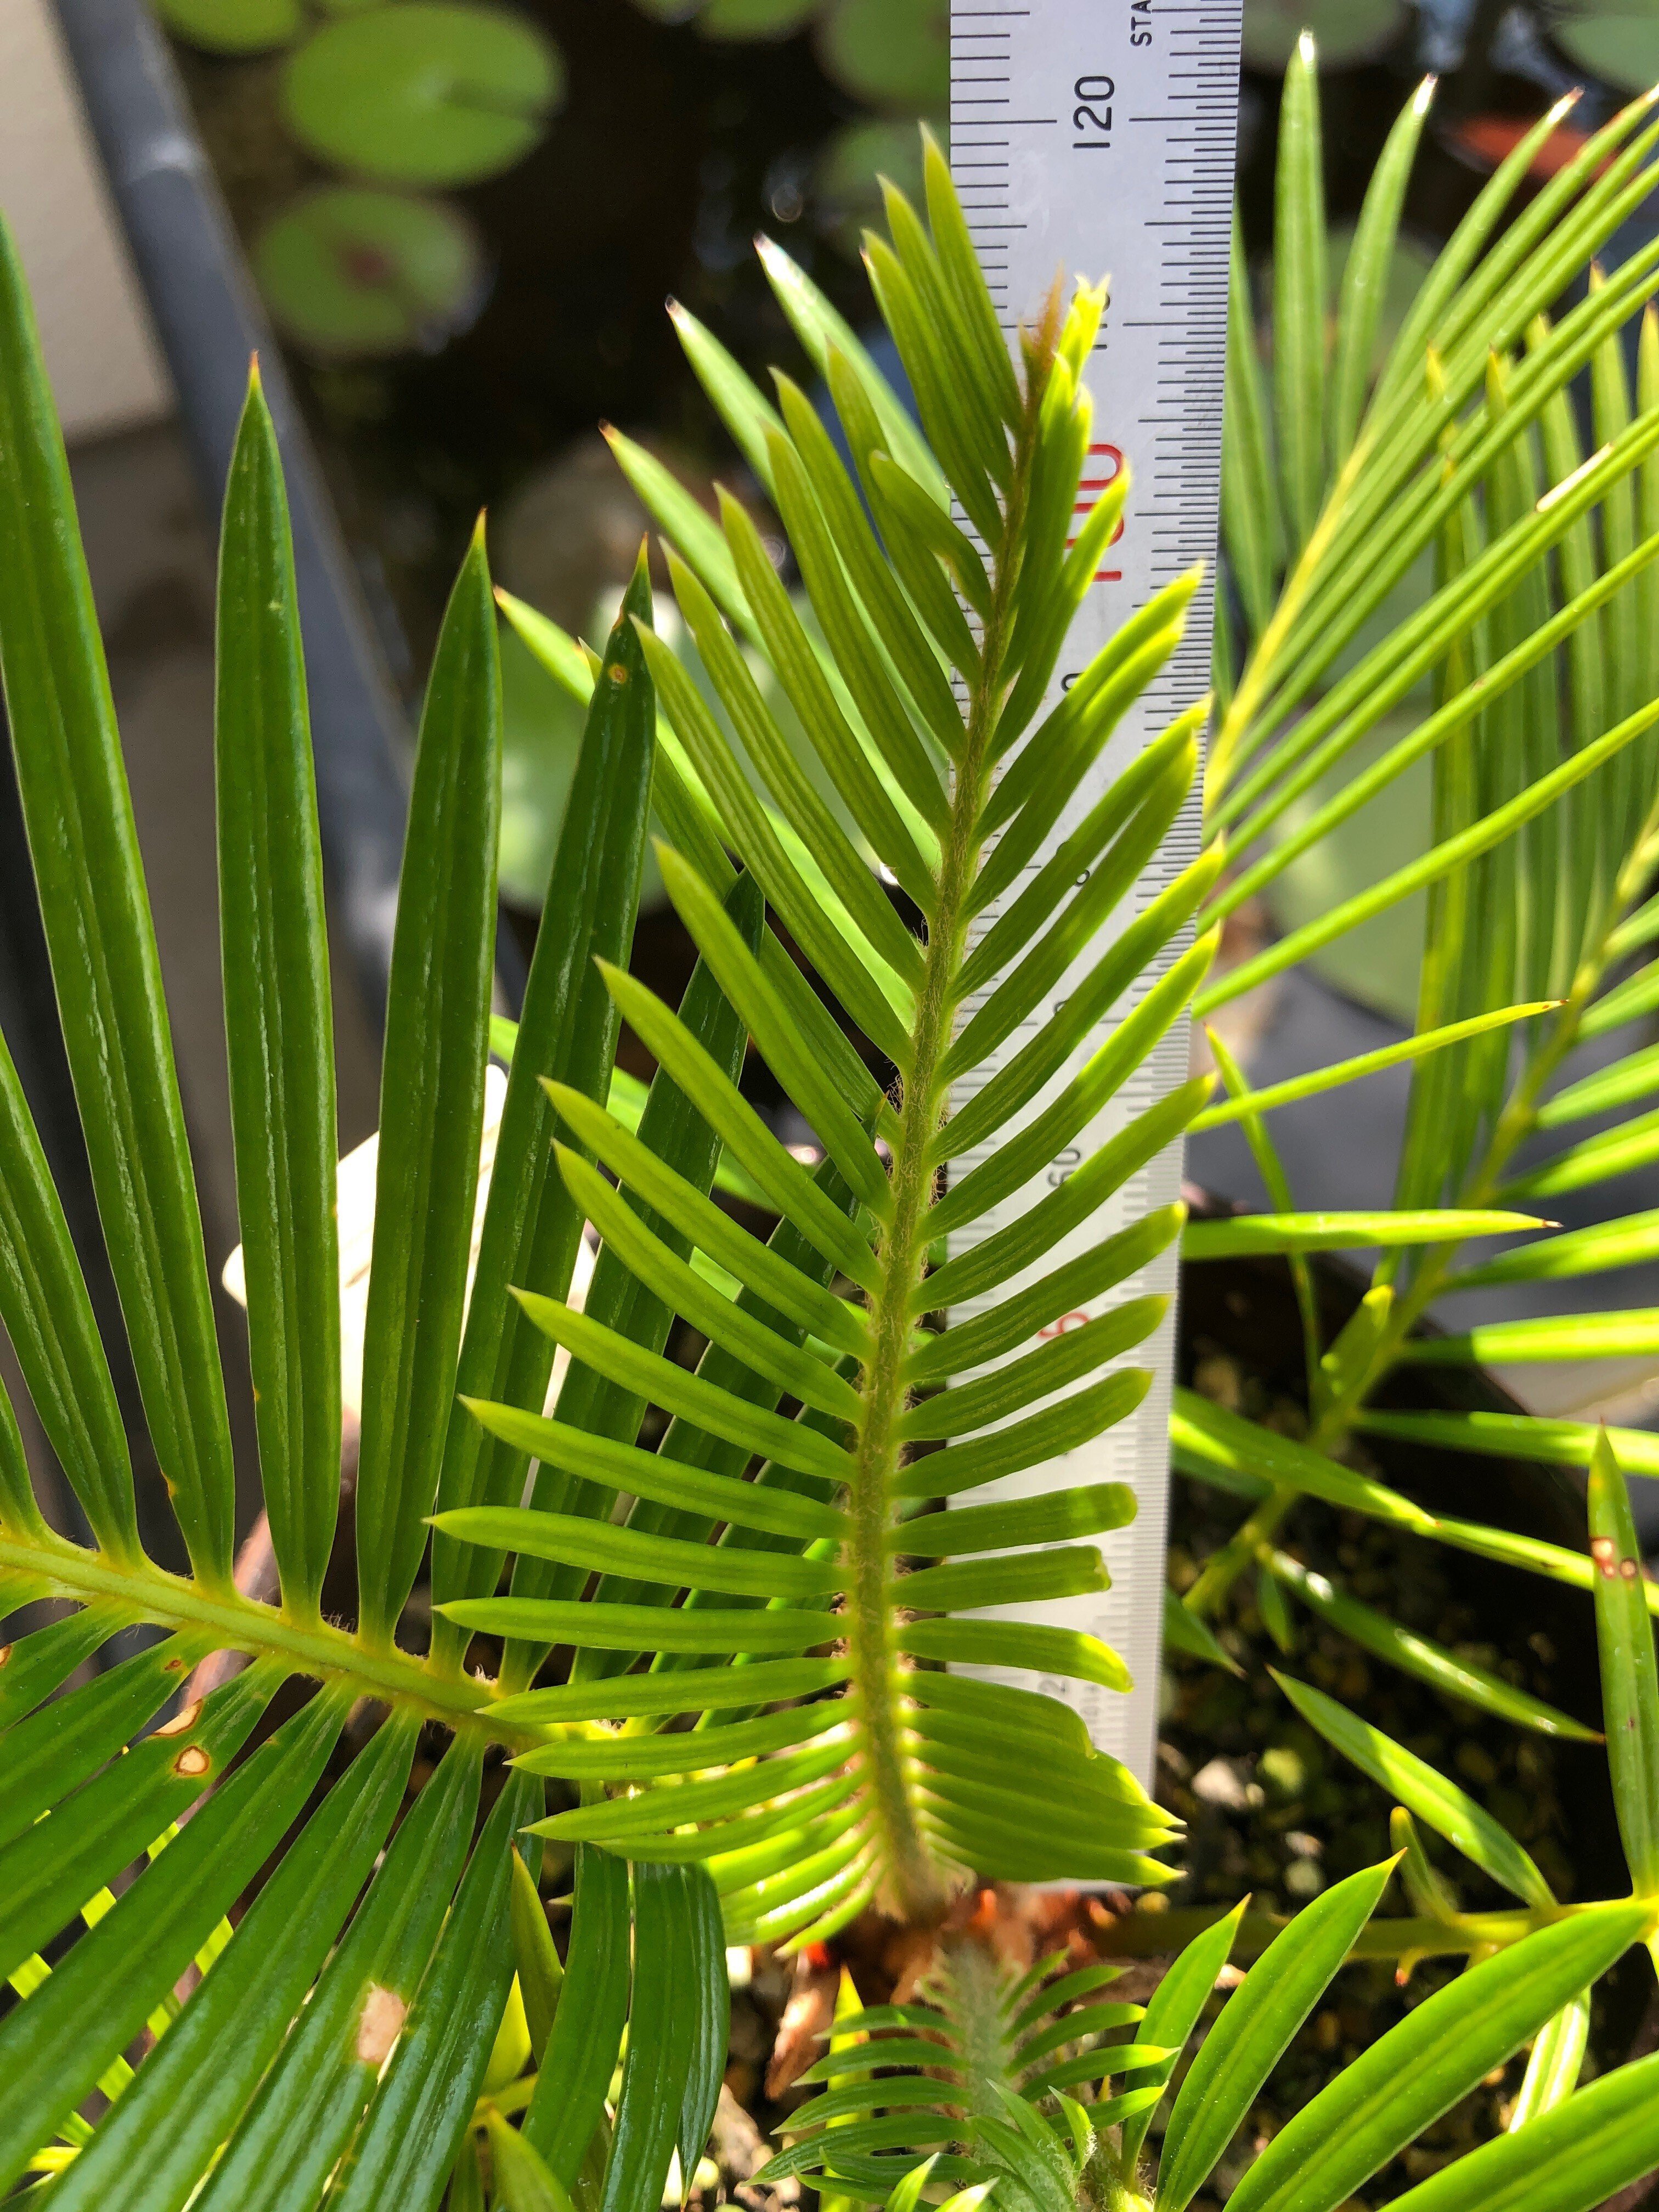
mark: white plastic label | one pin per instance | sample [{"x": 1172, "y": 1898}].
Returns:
[{"x": 1091, "y": 140}]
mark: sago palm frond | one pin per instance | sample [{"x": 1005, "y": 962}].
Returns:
[
  {"x": 1538, "y": 643},
  {"x": 833, "y": 1759},
  {"x": 338, "y": 2040},
  {"x": 904, "y": 1778},
  {"x": 1045, "y": 2093}
]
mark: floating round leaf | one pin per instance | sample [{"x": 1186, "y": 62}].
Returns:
[
  {"x": 755, "y": 19},
  {"x": 232, "y": 26},
  {"x": 1345, "y": 31},
  {"x": 352, "y": 272},
  {"x": 423, "y": 93},
  {"x": 1622, "y": 48},
  {"x": 846, "y": 192},
  {"x": 893, "y": 53}
]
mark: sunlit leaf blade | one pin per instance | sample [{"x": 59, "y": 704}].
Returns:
[
  {"x": 150, "y": 2151},
  {"x": 1558, "y": 2057},
  {"x": 432, "y": 1098},
  {"x": 413, "y": 2127},
  {"x": 1340, "y": 1072},
  {"x": 105, "y": 969},
  {"x": 1256, "y": 2023},
  {"x": 1435, "y": 1800},
  {"x": 279, "y": 1027},
  {"x": 1300, "y": 290},
  {"x": 1563, "y": 1336},
  {"x": 308, "y": 2107},
  {"x": 1172, "y": 2013},
  {"x": 1365, "y": 278},
  {"x": 1234, "y": 1238},
  {"x": 1629, "y": 1677},
  {"x": 1409, "y": 2077},
  {"x": 568, "y": 1033}
]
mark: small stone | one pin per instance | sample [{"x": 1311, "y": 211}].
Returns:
[
  {"x": 1220, "y": 1782},
  {"x": 1218, "y": 1378}
]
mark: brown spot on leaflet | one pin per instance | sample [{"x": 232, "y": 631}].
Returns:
[
  {"x": 191, "y": 1761},
  {"x": 182, "y": 1722},
  {"x": 379, "y": 2024}
]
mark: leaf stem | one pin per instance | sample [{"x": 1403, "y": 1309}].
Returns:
[
  {"x": 914, "y": 1889},
  {"x": 311, "y": 1648}
]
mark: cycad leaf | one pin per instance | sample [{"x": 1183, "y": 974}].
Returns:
[
  {"x": 432, "y": 1099},
  {"x": 1584, "y": 2151},
  {"x": 308, "y": 2107},
  {"x": 105, "y": 969},
  {"x": 568, "y": 2101},
  {"x": 1172, "y": 2013},
  {"x": 1630, "y": 1678},
  {"x": 1299, "y": 298},
  {"x": 411, "y": 2134},
  {"x": 1439, "y": 1802},
  {"x": 151, "y": 2151},
  {"x": 1421, "y": 2068},
  {"x": 54, "y": 2048},
  {"x": 1256, "y": 2023},
  {"x": 568, "y": 1034},
  {"x": 279, "y": 1026}
]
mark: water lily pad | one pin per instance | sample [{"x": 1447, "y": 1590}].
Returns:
[
  {"x": 755, "y": 19},
  {"x": 890, "y": 54},
  {"x": 1345, "y": 31},
  {"x": 232, "y": 26},
  {"x": 423, "y": 93},
  {"x": 352, "y": 273},
  {"x": 1621, "y": 48},
  {"x": 846, "y": 191}
]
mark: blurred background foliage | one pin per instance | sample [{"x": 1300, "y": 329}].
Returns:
[{"x": 464, "y": 217}]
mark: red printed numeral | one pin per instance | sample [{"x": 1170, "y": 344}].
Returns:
[
  {"x": 1102, "y": 467},
  {"x": 1063, "y": 1325}
]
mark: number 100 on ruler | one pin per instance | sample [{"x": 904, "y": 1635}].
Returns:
[{"x": 1094, "y": 139}]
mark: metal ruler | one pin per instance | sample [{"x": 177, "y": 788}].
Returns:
[{"x": 1095, "y": 137}]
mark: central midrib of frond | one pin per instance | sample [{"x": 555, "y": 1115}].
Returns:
[{"x": 901, "y": 1253}]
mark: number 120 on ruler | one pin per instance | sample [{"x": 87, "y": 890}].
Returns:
[{"x": 1092, "y": 138}]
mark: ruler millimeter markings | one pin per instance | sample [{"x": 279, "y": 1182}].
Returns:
[{"x": 1096, "y": 140}]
